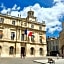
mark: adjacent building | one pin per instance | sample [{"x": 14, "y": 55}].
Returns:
[
  {"x": 52, "y": 46},
  {"x": 13, "y": 40},
  {"x": 61, "y": 40}
]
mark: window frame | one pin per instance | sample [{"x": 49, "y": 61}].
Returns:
[
  {"x": 1, "y": 20},
  {"x": 12, "y": 35},
  {"x": 11, "y": 50},
  {"x": 40, "y": 27},
  {"x": 32, "y": 25},
  {"x": 13, "y": 22},
  {"x": 22, "y": 37},
  {"x": 41, "y": 51},
  {"x": 40, "y": 39},
  {"x": 32, "y": 38},
  {"x": 32, "y": 50}
]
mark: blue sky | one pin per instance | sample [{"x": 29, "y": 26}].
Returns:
[
  {"x": 25, "y": 3},
  {"x": 50, "y": 11}
]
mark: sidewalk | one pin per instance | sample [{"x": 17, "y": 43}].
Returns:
[{"x": 45, "y": 61}]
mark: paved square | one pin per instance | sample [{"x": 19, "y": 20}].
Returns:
[
  {"x": 17, "y": 61},
  {"x": 28, "y": 60}
]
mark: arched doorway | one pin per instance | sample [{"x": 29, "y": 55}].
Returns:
[
  {"x": 23, "y": 51},
  {"x": 41, "y": 51},
  {"x": 32, "y": 51},
  {"x": 11, "y": 50}
]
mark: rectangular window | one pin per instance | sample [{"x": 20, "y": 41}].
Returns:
[
  {"x": 40, "y": 39},
  {"x": 40, "y": 27},
  {"x": 57, "y": 47},
  {"x": 12, "y": 35},
  {"x": 32, "y": 38},
  {"x": 54, "y": 48},
  {"x": 25, "y": 24},
  {"x": 1, "y": 34},
  {"x": 32, "y": 25},
  {"x": 1, "y": 20},
  {"x": 13, "y": 22},
  {"x": 22, "y": 37}
]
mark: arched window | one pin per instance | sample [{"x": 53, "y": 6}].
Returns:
[
  {"x": 41, "y": 51},
  {"x": 32, "y": 51},
  {"x": 11, "y": 50},
  {"x": 0, "y": 49}
]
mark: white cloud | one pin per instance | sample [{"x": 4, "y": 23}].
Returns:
[
  {"x": 4, "y": 11},
  {"x": 18, "y": 8},
  {"x": 15, "y": 13},
  {"x": 58, "y": 0},
  {"x": 15, "y": 7},
  {"x": 49, "y": 15},
  {"x": 51, "y": 30}
]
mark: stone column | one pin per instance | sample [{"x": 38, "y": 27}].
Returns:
[
  {"x": 5, "y": 50},
  {"x": 5, "y": 33},
  {"x": 44, "y": 50}
]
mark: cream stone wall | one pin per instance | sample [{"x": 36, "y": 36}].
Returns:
[
  {"x": 5, "y": 42},
  {"x": 36, "y": 53}
]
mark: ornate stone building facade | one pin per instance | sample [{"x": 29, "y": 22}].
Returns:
[{"x": 14, "y": 41}]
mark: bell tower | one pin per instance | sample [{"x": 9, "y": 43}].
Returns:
[{"x": 30, "y": 13}]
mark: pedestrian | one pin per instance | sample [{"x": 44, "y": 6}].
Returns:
[
  {"x": 21, "y": 55},
  {"x": 57, "y": 56},
  {"x": 62, "y": 55},
  {"x": 24, "y": 55}
]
